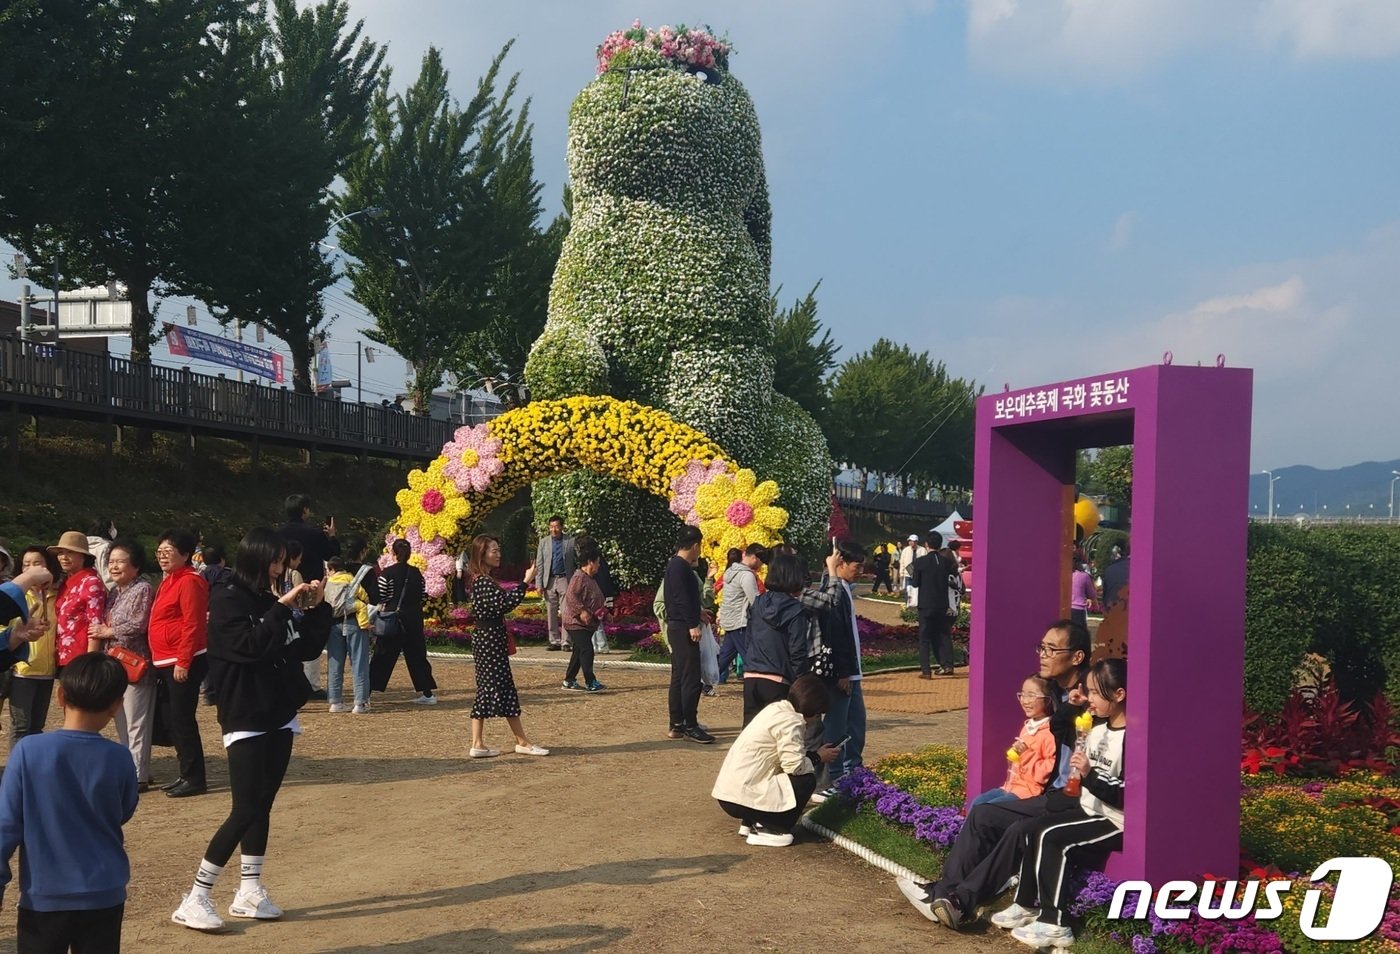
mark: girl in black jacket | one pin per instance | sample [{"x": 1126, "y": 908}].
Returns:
[{"x": 256, "y": 648}]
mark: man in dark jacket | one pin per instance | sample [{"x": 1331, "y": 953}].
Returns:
[
  {"x": 317, "y": 546},
  {"x": 834, "y": 608},
  {"x": 929, "y": 575}
]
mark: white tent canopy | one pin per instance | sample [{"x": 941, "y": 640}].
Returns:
[{"x": 945, "y": 529}]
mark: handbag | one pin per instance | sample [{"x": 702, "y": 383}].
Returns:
[
  {"x": 386, "y": 623},
  {"x": 134, "y": 663},
  {"x": 510, "y": 645}
]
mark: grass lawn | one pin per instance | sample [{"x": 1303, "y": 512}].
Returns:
[{"x": 868, "y": 829}]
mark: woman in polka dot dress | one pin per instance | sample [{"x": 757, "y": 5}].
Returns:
[{"x": 495, "y": 687}]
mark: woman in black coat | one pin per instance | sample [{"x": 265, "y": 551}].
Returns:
[
  {"x": 256, "y": 648},
  {"x": 401, "y": 591}
]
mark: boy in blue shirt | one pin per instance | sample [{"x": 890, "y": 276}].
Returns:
[{"x": 63, "y": 800}]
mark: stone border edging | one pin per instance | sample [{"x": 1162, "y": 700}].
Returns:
[
  {"x": 558, "y": 663},
  {"x": 860, "y": 851},
  {"x": 612, "y": 663}
]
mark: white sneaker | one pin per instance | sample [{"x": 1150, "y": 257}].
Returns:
[
  {"x": 1014, "y": 917},
  {"x": 744, "y": 831},
  {"x": 917, "y": 895},
  {"x": 484, "y": 753},
  {"x": 360, "y": 710},
  {"x": 254, "y": 903},
  {"x": 198, "y": 913},
  {"x": 336, "y": 707},
  {"x": 769, "y": 839},
  {"x": 530, "y": 750},
  {"x": 1039, "y": 934},
  {"x": 425, "y": 701}
]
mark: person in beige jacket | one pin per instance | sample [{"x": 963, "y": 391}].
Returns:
[{"x": 768, "y": 776}]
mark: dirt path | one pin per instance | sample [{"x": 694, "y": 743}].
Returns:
[{"x": 385, "y": 838}]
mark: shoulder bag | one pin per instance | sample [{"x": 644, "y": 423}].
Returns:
[
  {"x": 387, "y": 623},
  {"x": 134, "y": 663}
]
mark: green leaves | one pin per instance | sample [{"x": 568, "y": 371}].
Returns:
[
  {"x": 801, "y": 362},
  {"x": 455, "y": 266},
  {"x": 900, "y": 414}
]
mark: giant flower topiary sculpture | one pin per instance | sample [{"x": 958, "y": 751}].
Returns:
[{"x": 661, "y": 295}]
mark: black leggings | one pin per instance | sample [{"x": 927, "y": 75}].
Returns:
[
  {"x": 582, "y": 640},
  {"x": 255, "y": 770},
  {"x": 781, "y": 822}
]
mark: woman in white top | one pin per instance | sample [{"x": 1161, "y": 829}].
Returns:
[{"x": 768, "y": 776}]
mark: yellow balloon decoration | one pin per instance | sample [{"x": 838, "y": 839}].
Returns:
[{"x": 1086, "y": 517}]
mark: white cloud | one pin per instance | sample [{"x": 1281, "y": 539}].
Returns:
[
  {"x": 1122, "y": 234},
  {"x": 1319, "y": 334},
  {"x": 1333, "y": 28},
  {"x": 1108, "y": 40}
]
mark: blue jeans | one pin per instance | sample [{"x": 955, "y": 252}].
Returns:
[
  {"x": 993, "y": 795},
  {"x": 846, "y": 718},
  {"x": 735, "y": 644},
  {"x": 346, "y": 635}
]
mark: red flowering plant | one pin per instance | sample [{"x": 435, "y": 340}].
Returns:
[
  {"x": 688, "y": 48},
  {"x": 1318, "y": 734}
]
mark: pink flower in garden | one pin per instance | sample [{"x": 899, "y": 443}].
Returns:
[
  {"x": 473, "y": 458},
  {"x": 683, "y": 487}
]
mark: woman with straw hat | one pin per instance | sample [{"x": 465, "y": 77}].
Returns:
[{"x": 82, "y": 599}]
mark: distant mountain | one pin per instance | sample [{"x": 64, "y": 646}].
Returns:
[{"x": 1302, "y": 489}]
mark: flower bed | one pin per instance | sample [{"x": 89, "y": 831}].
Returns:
[
  {"x": 879, "y": 643},
  {"x": 1288, "y": 828},
  {"x": 527, "y": 623}
]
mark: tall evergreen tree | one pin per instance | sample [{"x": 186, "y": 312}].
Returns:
[
  {"x": 427, "y": 269},
  {"x": 801, "y": 360},
  {"x": 303, "y": 99}
]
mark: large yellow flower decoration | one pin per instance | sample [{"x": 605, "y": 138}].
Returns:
[
  {"x": 630, "y": 442},
  {"x": 737, "y": 510},
  {"x": 431, "y": 503}
]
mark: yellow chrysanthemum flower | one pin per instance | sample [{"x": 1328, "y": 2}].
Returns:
[{"x": 737, "y": 510}]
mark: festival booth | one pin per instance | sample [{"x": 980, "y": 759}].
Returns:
[{"x": 1190, "y": 429}]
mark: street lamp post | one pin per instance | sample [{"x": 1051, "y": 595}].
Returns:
[
  {"x": 1392, "y": 492},
  {"x": 1272, "y": 480}
]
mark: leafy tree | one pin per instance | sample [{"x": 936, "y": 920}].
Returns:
[
  {"x": 900, "y": 415},
  {"x": 454, "y": 185},
  {"x": 1108, "y": 472},
  {"x": 100, "y": 103},
  {"x": 801, "y": 361},
  {"x": 305, "y": 92}
]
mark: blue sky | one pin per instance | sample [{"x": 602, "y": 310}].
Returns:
[{"x": 1035, "y": 190}]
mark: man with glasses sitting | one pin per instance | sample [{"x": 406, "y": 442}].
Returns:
[{"x": 986, "y": 854}]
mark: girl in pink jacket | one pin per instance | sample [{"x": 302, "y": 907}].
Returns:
[{"x": 1031, "y": 758}]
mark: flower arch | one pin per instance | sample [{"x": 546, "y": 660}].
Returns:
[{"x": 485, "y": 465}]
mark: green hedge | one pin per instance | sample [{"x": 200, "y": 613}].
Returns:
[{"x": 1332, "y": 590}]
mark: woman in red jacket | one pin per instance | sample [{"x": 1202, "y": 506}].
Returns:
[
  {"x": 178, "y": 633},
  {"x": 82, "y": 599}
]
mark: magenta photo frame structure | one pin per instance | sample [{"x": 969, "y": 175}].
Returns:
[{"x": 1190, "y": 429}]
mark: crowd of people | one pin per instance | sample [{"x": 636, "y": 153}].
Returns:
[{"x": 248, "y": 636}]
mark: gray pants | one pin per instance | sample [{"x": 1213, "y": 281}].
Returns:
[
  {"x": 29, "y": 706},
  {"x": 553, "y": 601},
  {"x": 134, "y": 721}
]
